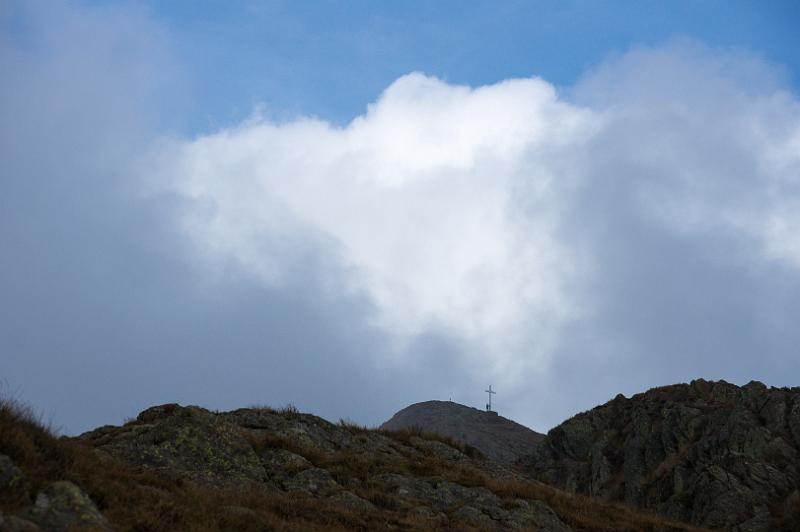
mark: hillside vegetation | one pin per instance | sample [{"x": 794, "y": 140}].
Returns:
[{"x": 186, "y": 468}]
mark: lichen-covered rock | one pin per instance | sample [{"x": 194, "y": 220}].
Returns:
[
  {"x": 449, "y": 494},
  {"x": 64, "y": 506},
  {"x": 409, "y": 488},
  {"x": 475, "y": 517},
  {"x": 303, "y": 429},
  {"x": 283, "y": 460},
  {"x": 428, "y": 515},
  {"x": 710, "y": 453},
  {"x": 14, "y": 486},
  {"x": 410, "y": 477},
  {"x": 189, "y": 441},
  {"x": 352, "y": 500},
  {"x": 535, "y": 515},
  {"x": 313, "y": 480}
]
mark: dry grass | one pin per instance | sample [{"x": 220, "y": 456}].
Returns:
[
  {"x": 579, "y": 512},
  {"x": 140, "y": 499},
  {"x": 585, "y": 513},
  {"x": 289, "y": 410},
  {"x": 148, "y": 500},
  {"x": 406, "y": 436}
]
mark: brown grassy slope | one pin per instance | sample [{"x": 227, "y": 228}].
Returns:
[{"x": 135, "y": 498}]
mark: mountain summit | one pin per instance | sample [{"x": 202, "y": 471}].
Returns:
[{"x": 498, "y": 438}]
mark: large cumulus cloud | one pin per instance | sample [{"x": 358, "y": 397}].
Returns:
[
  {"x": 638, "y": 228},
  {"x": 497, "y": 216},
  {"x": 441, "y": 203}
]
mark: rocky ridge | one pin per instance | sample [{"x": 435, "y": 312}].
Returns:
[
  {"x": 307, "y": 455},
  {"x": 175, "y": 468},
  {"x": 498, "y": 438},
  {"x": 709, "y": 453}
]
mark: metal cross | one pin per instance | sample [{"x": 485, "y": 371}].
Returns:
[{"x": 489, "y": 404}]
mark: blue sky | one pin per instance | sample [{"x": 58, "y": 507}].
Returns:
[
  {"x": 331, "y": 58},
  {"x": 357, "y": 206}
]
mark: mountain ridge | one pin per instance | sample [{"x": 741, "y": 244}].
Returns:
[
  {"x": 187, "y": 468},
  {"x": 690, "y": 456}
]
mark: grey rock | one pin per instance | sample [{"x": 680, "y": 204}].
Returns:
[
  {"x": 313, "y": 480},
  {"x": 535, "y": 515},
  {"x": 475, "y": 517},
  {"x": 64, "y": 506},
  {"x": 407, "y": 487},
  {"x": 710, "y": 453},
  {"x": 14, "y": 484},
  {"x": 428, "y": 516},
  {"x": 411, "y": 477},
  {"x": 448, "y": 494},
  {"x": 352, "y": 500},
  {"x": 281, "y": 460},
  {"x": 189, "y": 441}
]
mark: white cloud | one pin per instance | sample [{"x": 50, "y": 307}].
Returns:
[
  {"x": 418, "y": 195},
  {"x": 459, "y": 210},
  {"x": 707, "y": 141}
]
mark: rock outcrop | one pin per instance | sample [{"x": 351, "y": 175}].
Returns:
[
  {"x": 187, "y": 468},
  {"x": 14, "y": 486},
  {"x": 59, "y": 506},
  {"x": 63, "y": 506},
  {"x": 498, "y": 438},
  {"x": 262, "y": 449},
  {"x": 709, "y": 453}
]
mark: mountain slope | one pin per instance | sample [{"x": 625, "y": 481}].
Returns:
[
  {"x": 709, "y": 453},
  {"x": 500, "y": 439},
  {"x": 186, "y": 468}
]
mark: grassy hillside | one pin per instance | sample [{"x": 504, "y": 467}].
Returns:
[{"x": 159, "y": 472}]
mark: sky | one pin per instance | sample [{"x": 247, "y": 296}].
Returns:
[{"x": 355, "y": 206}]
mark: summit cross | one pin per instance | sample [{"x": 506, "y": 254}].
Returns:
[{"x": 489, "y": 404}]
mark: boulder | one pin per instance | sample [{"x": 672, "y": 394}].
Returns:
[
  {"x": 313, "y": 481},
  {"x": 14, "y": 486},
  {"x": 64, "y": 506}
]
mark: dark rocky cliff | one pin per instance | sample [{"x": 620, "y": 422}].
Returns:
[
  {"x": 709, "y": 453},
  {"x": 500, "y": 439}
]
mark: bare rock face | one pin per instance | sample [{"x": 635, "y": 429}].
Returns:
[
  {"x": 708, "y": 453},
  {"x": 498, "y": 438}
]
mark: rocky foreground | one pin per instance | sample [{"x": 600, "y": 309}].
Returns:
[
  {"x": 500, "y": 439},
  {"x": 186, "y": 468},
  {"x": 709, "y": 453}
]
